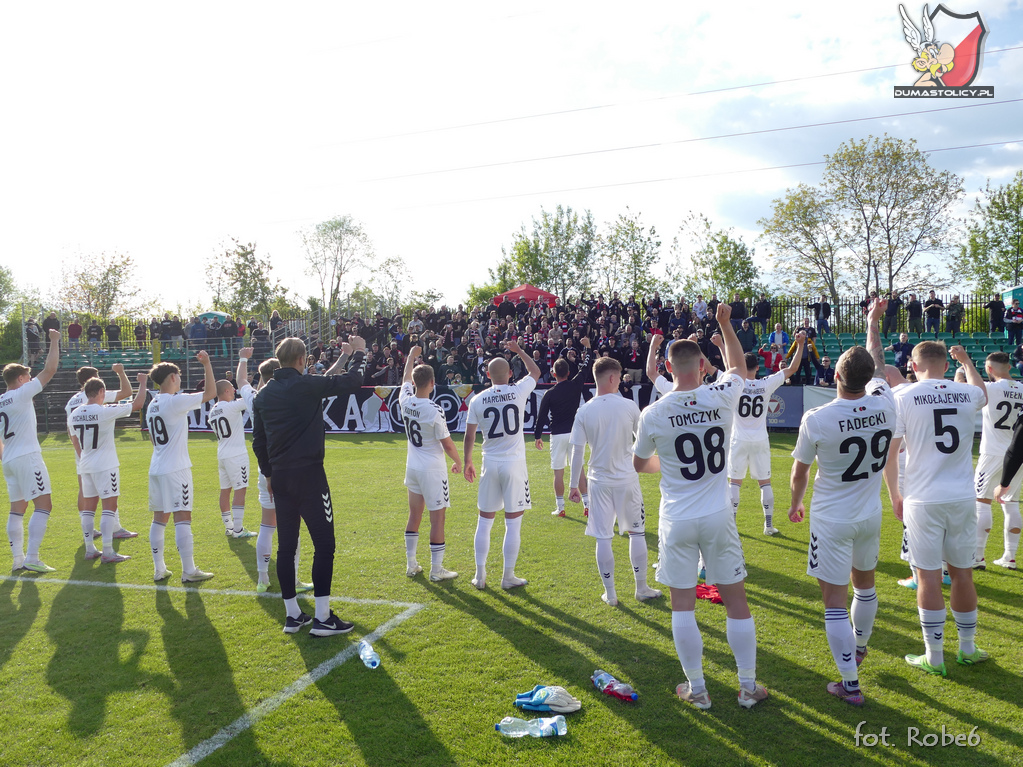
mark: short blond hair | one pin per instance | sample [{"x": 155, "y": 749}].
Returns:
[
  {"x": 422, "y": 375},
  {"x": 290, "y": 351},
  {"x": 14, "y": 371}
]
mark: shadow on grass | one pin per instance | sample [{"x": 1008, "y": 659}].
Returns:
[
  {"x": 86, "y": 629},
  {"x": 16, "y": 620}
]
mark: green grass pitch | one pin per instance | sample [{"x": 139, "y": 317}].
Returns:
[{"x": 121, "y": 676}]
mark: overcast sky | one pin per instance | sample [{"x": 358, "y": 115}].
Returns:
[{"x": 163, "y": 131}]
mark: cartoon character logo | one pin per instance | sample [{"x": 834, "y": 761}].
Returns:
[{"x": 952, "y": 62}]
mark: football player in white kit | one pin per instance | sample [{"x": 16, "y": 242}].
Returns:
[
  {"x": 227, "y": 419},
  {"x": 24, "y": 470},
  {"x": 426, "y": 478},
  {"x": 268, "y": 521},
  {"x": 684, "y": 435},
  {"x": 750, "y": 447},
  {"x": 92, "y": 435},
  {"x": 170, "y": 470},
  {"x": 608, "y": 422},
  {"x": 849, "y": 438},
  {"x": 87, "y": 517},
  {"x": 1004, "y": 408},
  {"x": 936, "y": 418},
  {"x": 504, "y": 481}
]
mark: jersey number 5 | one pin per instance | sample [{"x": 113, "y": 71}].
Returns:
[{"x": 941, "y": 429}]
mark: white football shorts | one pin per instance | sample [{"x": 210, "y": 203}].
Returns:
[
  {"x": 610, "y": 501},
  {"x": 681, "y": 541},
  {"x": 504, "y": 485},
  {"x": 431, "y": 484},
  {"x": 748, "y": 454},
  {"x": 27, "y": 477},
  {"x": 265, "y": 501},
  {"x": 989, "y": 474},
  {"x": 836, "y": 547},
  {"x": 105, "y": 484},
  {"x": 234, "y": 472},
  {"x": 941, "y": 531},
  {"x": 171, "y": 492},
  {"x": 561, "y": 451}
]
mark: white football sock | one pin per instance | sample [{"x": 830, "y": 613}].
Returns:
[
  {"x": 983, "y": 527},
  {"x": 482, "y": 544},
  {"x": 225, "y": 516},
  {"x": 689, "y": 647},
  {"x": 864, "y": 611},
  {"x": 36, "y": 531},
  {"x": 238, "y": 518},
  {"x": 183, "y": 540},
  {"x": 512, "y": 541},
  {"x": 291, "y": 608},
  {"x": 157, "y": 531},
  {"x": 117, "y": 521},
  {"x": 733, "y": 494},
  {"x": 16, "y": 535},
  {"x": 742, "y": 639},
  {"x": 107, "y": 528},
  {"x": 767, "y": 501},
  {"x": 639, "y": 557},
  {"x": 560, "y": 499},
  {"x": 842, "y": 642},
  {"x": 436, "y": 556},
  {"x": 933, "y": 624},
  {"x": 966, "y": 625},
  {"x": 264, "y": 549},
  {"x": 586, "y": 500},
  {"x": 322, "y": 607},
  {"x": 1012, "y": 522},
  {"x": 88, "y": 519},
  {"x": 411, "y": 542},
  {"x": 606, "y": 567}
]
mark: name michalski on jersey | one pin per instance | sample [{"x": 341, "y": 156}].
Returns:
[
  {"x": 862, "y": 422},
  {"x": 941, "y": 399},
  {"x": 86, "y": 417},
  {"x": 688, "y": 419}
]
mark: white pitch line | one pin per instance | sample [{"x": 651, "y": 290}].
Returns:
[
  {"x": 255, "y": 715},
  {"x": 194, "y": 590}
]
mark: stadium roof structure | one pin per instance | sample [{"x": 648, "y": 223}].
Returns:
[{"x": 529, "y": 292}]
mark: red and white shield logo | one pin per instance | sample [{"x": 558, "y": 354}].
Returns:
[{"x": 965, "y": 33}]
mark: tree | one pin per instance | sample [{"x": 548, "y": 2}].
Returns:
[
  {"x": 243, "y": 282},
  {"x": 803, "y": 231},
  {"x": 556, "y": 255},
  {"x": 333, "y": 250},
  {"x": 502, "y": 278},
  {"x": 8, "y": 290},
  {"x": 992, "y": 255},
  {"x": 717, "y": 262},
  {"x": 895, "y": 211},
  {"x": 101, "y": 286},
  {"x": 626, "y": 257}
]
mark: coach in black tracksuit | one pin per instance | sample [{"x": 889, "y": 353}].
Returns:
[
  {"x": 287, "y": 438},
  {"x": 560, "y": 404}
]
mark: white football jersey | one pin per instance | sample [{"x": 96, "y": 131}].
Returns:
[
  {"x": 751, "y": 413},
  {"x": 663, "y": 385},
  {"x": 78, "y": 399},
  {"x": 248, "y": 394},
  {"x": 94, "y": 427},
  {"x": 18, "y": 420},
  {"x": 499, "y": 411},
  {"x": 1004, "y": 407},
  {"x": 608, "y": 423},
  {"x": 425, "y": 427},
  {"x": 690, "y": 431},
  {"x": 227, "y": 419},
  {"x": 167, "y": 419},
  {"x": 937, "y": 419},
  {"x": 849, "y": 439}
]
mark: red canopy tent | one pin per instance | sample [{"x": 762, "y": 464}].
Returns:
[{"x": 528, "y": 292}]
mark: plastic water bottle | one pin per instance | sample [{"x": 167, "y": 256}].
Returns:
[
  {"x": 608, "y": 685},
  {"x": 548, "y": 727},
  {"x": 368, "y": 655}
]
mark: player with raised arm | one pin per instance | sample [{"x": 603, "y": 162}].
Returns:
[
  {"x": 426, "y": 477},
  {"x": 750, "y": 447},
  {"x": 849, "y": 438},
  {"x": 1004, "y": 409},
  {"x": 170, "y": 470},
  {"x": 936, "y": 419},
  {"x": 91, "y": 425},
  {"x": 504, "y": 481},
  {"x": 684, "y": 436},
  {"x": 88, "y": 518},
  {"x": 608, "y": 423},
  {"x": 268, "y": 521},
  {"x": 560, "y": 404},
  {"x": 24, "y": 470},
  {"x": 227, "y": 419}
]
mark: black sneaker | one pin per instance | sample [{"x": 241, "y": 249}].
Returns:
[
  {"x": 292, "y": 625},
  {"x": 328, "y": 628}
]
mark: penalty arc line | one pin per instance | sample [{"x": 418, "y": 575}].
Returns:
[{"x": 253, "y": 717}]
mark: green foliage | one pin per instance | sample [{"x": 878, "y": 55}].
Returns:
[
  {"x": 626, "y": 257},
  {"x": 992, "y": 255},
  {"x": 502, "y": 278},
  {"x": 333, "y": 250},
  {"x": 243, "y": 282},
  {"x": 101, "y": 286},
  {"x": 557, "y": 254},
  {"x": 714, "y": 262},
  {"x": 8, "y": 290}
]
